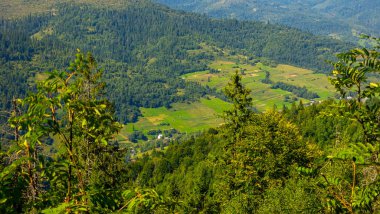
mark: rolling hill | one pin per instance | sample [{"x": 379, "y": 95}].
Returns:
[
  {"x": 144, "y": 49},
  {"x": 205, "y": 113},
  {"x": 337, "y": 18}
]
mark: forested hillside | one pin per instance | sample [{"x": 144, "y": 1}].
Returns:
[
  {"x": 320, "y": 158},
  {"x": 342, "y": 19},
  {"x": 73, "y": 73},
  {"x": 144, "y": 48}
]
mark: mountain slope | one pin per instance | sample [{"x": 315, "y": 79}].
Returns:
[
  {"x": 144, "y": 49},
  {"x": 336, "y": 18}
]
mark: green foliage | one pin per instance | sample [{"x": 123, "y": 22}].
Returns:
[
  {"x": 271, "y": 143},
  {"x": 67, "y": 106},
  {"x": 62, "y": 208},
  {"x": 348, "y": 15},
  {"x": 296, "y": 196},
  {"x": 207, "y": 176},
  {"x": 351, "y": 73},
  {"x": 321, "y": 128},
  {"x": 144, "y": 48},
  {"x": 247, "y": 165},
  {"x": 350, "y": 175},
  {"x": 255, "y": 150},
  {"x": 147, "y": 201},
  {"x": 267, "y": 79},
  {"x": 137, "y": 135},
  {"x": 299, "y": 91},
  {"x": 241, "y": 112}
]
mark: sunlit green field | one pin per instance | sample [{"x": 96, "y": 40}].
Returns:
[
  {"x": 302, "y": 77},
  {"x": 196, "y": 116},
  {"x": 185, "y": 117},
  {"x": 263, "y": 96},
  {"x": 201, "y": 115}
]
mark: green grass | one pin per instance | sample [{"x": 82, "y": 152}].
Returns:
[
  {"x": 191, "y": 117},
  {"x": 185, "y": 117},
  {"x": 263, "y": 96},
  {"x": 302, "y": 77}
]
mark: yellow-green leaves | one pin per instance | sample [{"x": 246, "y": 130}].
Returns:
[
  {"x": 335, "y": 72},
  {"x": 67, "y": 106},
  {"x": 344, "y": 174},
  {"x": 373, "y": 85},
  {"x": 84, "y": 123}
]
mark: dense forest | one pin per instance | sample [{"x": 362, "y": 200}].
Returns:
[
  {"x": 344, "y": 19},
  {"x": 143, "y": 49},
  {"x": 320, "y": 158},
  {"x": 59, "y": 151}
]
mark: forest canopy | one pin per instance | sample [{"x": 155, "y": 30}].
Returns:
[
  {"x": 61, "y": 152},
  {"x": 318, "y": 158},
  {"x": 144, "y": 48}
]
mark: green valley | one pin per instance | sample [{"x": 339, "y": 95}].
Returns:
[
  {"x": 128, "y": 106},
  {"x": 184, "y": 117},
  {"x": 144, "y": 48},
  {"x": 264, "y": 97},
  {"x": 200, "y": 115}
]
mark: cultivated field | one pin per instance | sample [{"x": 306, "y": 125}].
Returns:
[
  {"x": 264, "y": 97},
  {"x": 196, "y": 116},
  {"x": 185, "y": 117}
]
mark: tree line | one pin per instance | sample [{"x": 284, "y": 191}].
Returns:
[
  {"x": 143, "y": 48},
  {"x": 321, "y": 158},
  {"x": 296, "y": 90}
]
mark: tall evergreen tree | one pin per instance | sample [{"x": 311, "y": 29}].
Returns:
[{"x": 242, "y": 111}]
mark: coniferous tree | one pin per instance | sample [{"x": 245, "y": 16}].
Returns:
[{"x": 241, "y": 112}]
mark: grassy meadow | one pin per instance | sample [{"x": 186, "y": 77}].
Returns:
[
  {"x": 185, "y": 117},
  {"x": 201, "y": 115},
  {"x": 263, "y": 96}
]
